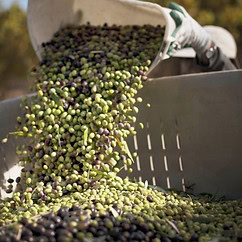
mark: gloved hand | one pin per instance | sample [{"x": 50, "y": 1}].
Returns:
[{"x": 188, "y": 32}]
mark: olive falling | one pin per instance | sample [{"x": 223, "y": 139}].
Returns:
[
  {"x": 76, "y": 130},
  {"x": 86, "y": 86}
]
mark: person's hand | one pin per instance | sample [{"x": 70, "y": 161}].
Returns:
[{"x": 188, "y": 32}]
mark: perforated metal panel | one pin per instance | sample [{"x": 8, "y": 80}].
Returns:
[{"x": 192, "y": 136}]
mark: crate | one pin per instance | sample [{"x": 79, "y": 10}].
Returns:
[{"x": 192, "y": 140}]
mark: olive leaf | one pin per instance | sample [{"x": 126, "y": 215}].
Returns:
[
  {"x": 124, "y": 147},
  {"x": 85, "y": 136},
  {"x": 173, "y": 226},
  {"x": 57, "y": 99},
  {"x": 60, "y": 91},
  {"x": 17, "y": 133},
  {"x": 114, "y": 212},
  {"x": 158, "y": 189},
  {"x": 99, "y": 239}
]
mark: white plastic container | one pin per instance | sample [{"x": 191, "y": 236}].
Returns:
[{"x": 46, "y": 17}]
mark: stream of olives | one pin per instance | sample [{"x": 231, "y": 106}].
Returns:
[{"x": 87, "y": 85}]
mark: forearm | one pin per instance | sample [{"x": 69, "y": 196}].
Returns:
[
  {"x": 190, "y": 32},
  {"x": 218, "y": 62}
]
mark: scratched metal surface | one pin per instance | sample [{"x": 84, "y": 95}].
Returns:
[{"x": 191, "y": 140}]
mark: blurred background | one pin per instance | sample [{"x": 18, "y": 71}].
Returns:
[{"x": 17, "y": 56}]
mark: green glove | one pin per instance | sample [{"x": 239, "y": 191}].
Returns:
[{"x": 188, "y": 32}]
